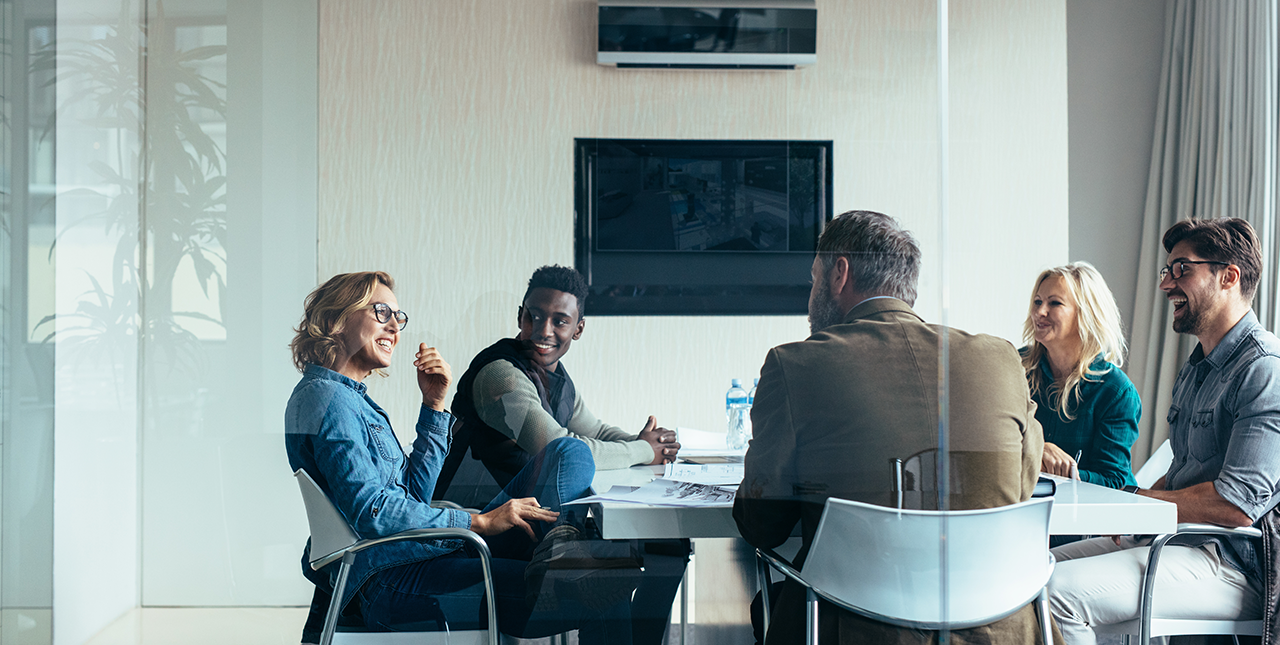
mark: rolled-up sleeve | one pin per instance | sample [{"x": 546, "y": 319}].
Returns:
[{"x": 1250, "y": 474}]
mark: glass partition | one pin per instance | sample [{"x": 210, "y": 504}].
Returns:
[{"x": 26, "y": 298}]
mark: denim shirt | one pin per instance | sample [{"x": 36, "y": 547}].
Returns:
[
  {"x": 1224, "y": 427},
  {"x": 336, "y": 433}
]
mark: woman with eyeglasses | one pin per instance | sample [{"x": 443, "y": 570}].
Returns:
[
  {"x": 350, "y": 328},
  {"x": 1075, "y": 346}
]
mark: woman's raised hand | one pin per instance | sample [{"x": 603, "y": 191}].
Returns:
[{"x": 434, "y": 376}]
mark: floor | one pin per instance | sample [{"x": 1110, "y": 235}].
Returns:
[{"x": 205, "y": 626}]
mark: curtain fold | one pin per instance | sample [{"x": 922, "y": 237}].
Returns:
[{"x": 1212, "y": 155}]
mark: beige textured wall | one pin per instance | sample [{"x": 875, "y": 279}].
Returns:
[{"x": 446, "y": 130}]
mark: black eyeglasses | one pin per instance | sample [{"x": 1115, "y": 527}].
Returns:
[
  {"x": 382, "y": 311},
  {"x": 1179, "y": 267}
]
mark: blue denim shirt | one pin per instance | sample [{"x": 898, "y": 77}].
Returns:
[
  {"x": 1224, "y": 427},
  {"x": 336, "y": 433}
]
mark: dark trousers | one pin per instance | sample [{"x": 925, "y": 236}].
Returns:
[{"x": 448, "y": 591}]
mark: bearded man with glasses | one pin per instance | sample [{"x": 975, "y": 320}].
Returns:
[{"x": 1224, "y": 428}]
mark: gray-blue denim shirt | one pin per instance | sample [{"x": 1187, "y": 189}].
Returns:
[
  {"x": 336, "y": 433},
  {"x": 1224, "y": 427}
]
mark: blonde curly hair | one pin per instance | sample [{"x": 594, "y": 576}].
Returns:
[{"x": 324, "y": 313}]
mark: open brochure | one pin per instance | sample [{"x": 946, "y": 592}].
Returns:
[{"x": 665, "y": 492}]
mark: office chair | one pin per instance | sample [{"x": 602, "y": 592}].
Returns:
[
  {"x": 887, "y": 565},
  {"x": 1146, "y": 625},
  {"x": 332, "y": 539},
  {"x": 1156, "y": 466},
  {"x": 914, "y": 475}
]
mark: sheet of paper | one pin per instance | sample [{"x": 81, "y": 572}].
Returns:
[
  {"x": 696, "y": 439},
  {"x": 711, "y": 473},
  {"x": 664, "y": 492}
]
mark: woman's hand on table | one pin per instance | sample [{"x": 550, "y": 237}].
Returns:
[
  {"x": 434, "y": 376},
  {"x": 515, "y": 513},
  {"x": 1056, "y": 462},
  {"x": 662, "y": 441}
]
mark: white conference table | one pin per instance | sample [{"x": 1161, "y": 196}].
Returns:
[{"x": 1079, "y": 508}]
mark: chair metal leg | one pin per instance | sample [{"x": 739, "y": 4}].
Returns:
[
  {"x": 684, "y": 607},
  {"x": 896, "y": 464},
  {"x": 811, "y": 615},
  {"x": 1046, "y": 620},
  {"x": 1146, "y": 607},
  {"x": 335, "y": 602},
  {"x": 762, "y": 578}
]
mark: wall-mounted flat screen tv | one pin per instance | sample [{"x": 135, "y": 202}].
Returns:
[{"x": 695, "y": 227}]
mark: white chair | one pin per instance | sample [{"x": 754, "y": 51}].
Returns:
[
  {"x": 1156, "y": 466},
  {"x": 332, "y": 539},
  {"x": 888, "y": 565},
  {"x": 1147, "y": 626}
]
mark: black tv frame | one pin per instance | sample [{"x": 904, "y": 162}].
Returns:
[{"x": 783, "y": 284}]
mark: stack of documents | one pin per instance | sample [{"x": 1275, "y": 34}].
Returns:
[
  {"x": 665, "y": 492},
  {"x": 707, "y": 474}
]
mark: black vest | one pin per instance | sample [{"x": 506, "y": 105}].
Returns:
[{"x": 498, "y": 452}]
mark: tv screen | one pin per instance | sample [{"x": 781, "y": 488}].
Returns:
[{"x": 696, "y": 227}]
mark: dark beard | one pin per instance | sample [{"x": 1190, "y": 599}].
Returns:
[
  {"x": 824, "y": 311},
  {"x": 1189, "y": 323}
]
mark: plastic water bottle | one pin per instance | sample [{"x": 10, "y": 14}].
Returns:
[{"x": 738, "y": 407}]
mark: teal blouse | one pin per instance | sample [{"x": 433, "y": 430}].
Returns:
[{"x": 1104, "y": 428}]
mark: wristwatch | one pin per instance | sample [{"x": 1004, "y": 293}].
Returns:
[{"x": 1131, "y": 489}]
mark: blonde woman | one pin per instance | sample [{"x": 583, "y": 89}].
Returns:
[{"x": 1075, "y": 347}]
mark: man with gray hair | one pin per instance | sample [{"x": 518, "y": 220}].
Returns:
[{"x": 832, "y": 410}]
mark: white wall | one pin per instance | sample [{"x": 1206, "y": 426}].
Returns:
[
  {"x": 1113, "y": 74},
  {"x": 447, "y": 160}
]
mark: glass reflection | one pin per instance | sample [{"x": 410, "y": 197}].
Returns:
[{"x": 26, "y": 296}]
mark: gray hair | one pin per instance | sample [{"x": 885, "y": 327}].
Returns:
[{"x": 884, "y": 259}]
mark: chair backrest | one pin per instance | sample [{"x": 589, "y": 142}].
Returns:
[
  {"x": 888, "y": 564},
  {"x": 330, "y": 533},
  {"x": 1157, "y": 466}
]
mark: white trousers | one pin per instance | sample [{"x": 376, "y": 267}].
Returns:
[{"x": 1097, "y": 582}]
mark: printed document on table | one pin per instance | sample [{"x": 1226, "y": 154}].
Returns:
[
  {"x": 711, "y": 474},
  {"x": 664, "y": 492}
]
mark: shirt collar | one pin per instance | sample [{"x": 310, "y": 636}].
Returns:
[
  {"x": 1227, "y": 346},
  {"x": 324, "y": 373},
  {"x": 876, "y": 305}
]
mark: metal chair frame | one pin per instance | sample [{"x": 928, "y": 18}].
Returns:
[
  {"x": 1147, "y": 625},
  {"x": 767, "y": 559},
  {"x": 332, "y": 536}
]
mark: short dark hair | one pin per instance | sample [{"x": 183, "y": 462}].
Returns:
[
  {"x": 560, "y": 278},
  {"x": 1227, "y": 239},
  {"x": 884, "y": 259}
]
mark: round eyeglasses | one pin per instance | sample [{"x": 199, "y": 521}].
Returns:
[{"x": 382, "y": 311}]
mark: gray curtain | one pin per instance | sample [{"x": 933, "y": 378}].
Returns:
[{"x": 1213, "y": 155}]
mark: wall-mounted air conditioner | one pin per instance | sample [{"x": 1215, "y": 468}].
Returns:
[{"x": 707, "y": 34}]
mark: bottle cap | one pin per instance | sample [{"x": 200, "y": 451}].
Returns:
[{"x": 737, "y": 382}]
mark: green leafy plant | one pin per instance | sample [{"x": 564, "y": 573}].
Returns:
[{"x": 178, "y": 176}]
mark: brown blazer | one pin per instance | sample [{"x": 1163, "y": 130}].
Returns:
[{"x": 831, "y": 411}]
